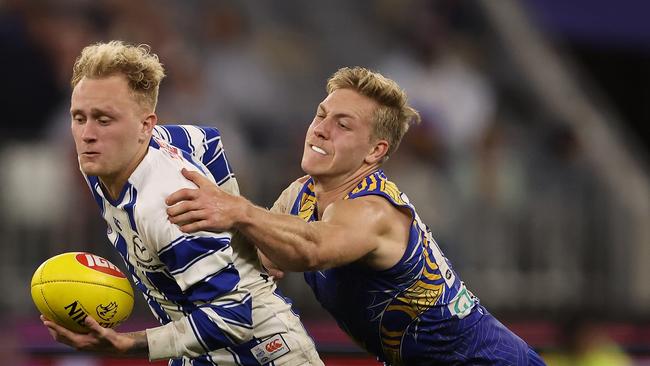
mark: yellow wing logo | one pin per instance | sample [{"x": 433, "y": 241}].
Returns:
[{"x": 307, "y": 203}]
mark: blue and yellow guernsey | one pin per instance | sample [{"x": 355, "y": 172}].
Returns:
[{"x": 418, "y": 312}]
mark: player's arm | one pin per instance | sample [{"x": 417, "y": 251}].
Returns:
[
  {"x": 282, "y": 205},
  {"x": 349, "y": 230},
  {"x": 202, "y": 267}
]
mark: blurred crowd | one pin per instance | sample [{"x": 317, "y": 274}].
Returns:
[{"x": 503, "y": 184}]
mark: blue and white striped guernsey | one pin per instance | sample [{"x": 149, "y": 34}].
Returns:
[{"x": 216, "y": 303}]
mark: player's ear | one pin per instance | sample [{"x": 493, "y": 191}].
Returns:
[
  {"x": 378, "y": 151},
  {"x": 148, "y": 123}
]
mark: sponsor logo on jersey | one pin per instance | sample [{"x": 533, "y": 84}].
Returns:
[
  {"x": 143, "y": 257},
  {"x": 99, "y": 264},
  {"x": 271, "y": 349},
  {"x": 463, "y": 302},
  {"x": 172, "y": 151},
  {"x": 140, "y": 250}
]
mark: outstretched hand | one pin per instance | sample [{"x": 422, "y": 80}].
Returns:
[
  {"x": 98, "y": 339},
  {"x": 205, "y": 208}
]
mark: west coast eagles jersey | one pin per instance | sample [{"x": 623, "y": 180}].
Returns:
[
  {"x": 417, "y": 312},
  {"x": 215, "y": 302}
]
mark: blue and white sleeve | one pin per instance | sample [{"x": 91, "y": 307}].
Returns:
[{"x": 201, "y": 279}]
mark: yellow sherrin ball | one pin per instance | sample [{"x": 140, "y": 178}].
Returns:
[{"x": 70, "y": 286}]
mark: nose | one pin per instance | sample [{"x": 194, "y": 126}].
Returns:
[
  {"x": 322, "y": 128},
  {"x": 88, "y": 132}
]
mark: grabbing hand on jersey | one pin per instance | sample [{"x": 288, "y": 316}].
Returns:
[
  {"x": 207, "y": 208},
  {"x": 99, "y": 339}
]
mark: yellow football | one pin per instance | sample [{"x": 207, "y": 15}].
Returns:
[{"x": 71, "y": 286}]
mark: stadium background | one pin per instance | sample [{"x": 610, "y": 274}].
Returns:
[{"x": 531, "y": 165}]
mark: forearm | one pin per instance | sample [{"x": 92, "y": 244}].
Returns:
[
  {"x": 216, "y": 326},
  {"x": 288, "y": 241},
  {"x": 138, "y": 345}
]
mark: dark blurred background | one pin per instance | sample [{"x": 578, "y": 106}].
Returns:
[{"x": 530, "y": 166}]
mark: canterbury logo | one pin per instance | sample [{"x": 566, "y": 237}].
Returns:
[
  {"x": 274, "y": 346},
  {"x": 271, "y": 349}
]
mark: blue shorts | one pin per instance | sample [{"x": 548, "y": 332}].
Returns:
[{"x": 486, "y": 342}]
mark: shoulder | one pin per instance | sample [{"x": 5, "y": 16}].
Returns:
[
  {"x": 150, "y": 210},
  {"x": 159, "y": 176},
  {"x": 374, "y": 219},
  {"x": 366, "y": 204},
  {"x": 373, "y": 223},
  {"x": 296, "y": 186},
  {"x": 288, "y": 196},
  {"x": 163, "y": 168},
  {"x": 373, "y": 210},
  {"x": 301, "y": 180},
  {"x": 183, "y": 133}
]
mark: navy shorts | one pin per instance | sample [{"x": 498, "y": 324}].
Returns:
[{"x": 486, "y": 342}]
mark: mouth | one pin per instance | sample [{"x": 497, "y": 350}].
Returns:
[
  {"x": 318, "y": 149},
  {"x": 89, "y": 153}
]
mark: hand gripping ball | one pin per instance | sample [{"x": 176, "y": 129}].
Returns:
[{"x": 71, "y": 286}]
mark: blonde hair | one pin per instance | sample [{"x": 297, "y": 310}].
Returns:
[
  {"x": 393, "y": 117},
  {"x": 141, "y": 68}
]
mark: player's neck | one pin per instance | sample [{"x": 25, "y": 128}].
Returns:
[
  {"x": 328, "y": 190},
  {"x": 114, "y": 184}
]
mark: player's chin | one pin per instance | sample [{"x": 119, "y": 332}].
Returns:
[
  {"x": 304, "y": 164},
  {"x": 317, "y": 172},
  {"x": 312, "y": 164},
  {"x": 308, "y": 167},
  {"x": 91, "y": 169}
]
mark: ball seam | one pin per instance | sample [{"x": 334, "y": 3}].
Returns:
[
  {"x": 86, "y": 282},
  {"x": 46, "y": 302}
]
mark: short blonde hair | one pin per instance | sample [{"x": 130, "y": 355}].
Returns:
[
  {"x": 393, "y": 117},
  {"x": 141, "y": 68}
]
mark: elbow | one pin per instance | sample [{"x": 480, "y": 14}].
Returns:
[
  {"x": 313, "y": 264},
  {"x": 307, "y": 261}
]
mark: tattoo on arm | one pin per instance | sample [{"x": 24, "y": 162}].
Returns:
[{"x": 140, "y": 345}]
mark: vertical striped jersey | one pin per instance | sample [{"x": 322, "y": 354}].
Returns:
[{"x": 214, "y": 301}]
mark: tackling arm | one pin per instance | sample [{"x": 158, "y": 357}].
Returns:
[{"x": 349, "y": 230}]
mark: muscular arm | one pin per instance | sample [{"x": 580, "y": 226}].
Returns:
[
  {"x": 366, "y": 227},
  {"x": 348, "y": 231}
]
